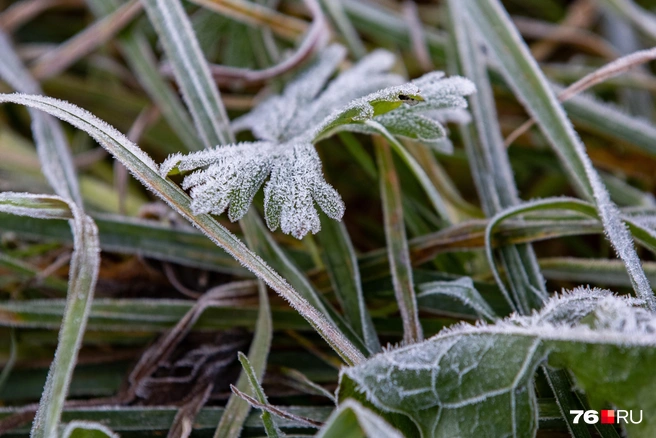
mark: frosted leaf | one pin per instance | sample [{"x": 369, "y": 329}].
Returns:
[
  {"x": 367, "y": 76},
  {"x": 475, "y": 372},
  {"x": 570, "y": 307},
  {"x": 459, "y": 116},
  {"x": 228, "y": 177},
  {"x": 351, "y": 414},
  {"x": 231, "y": 176},
  {"x": 272, "y": 118},
  {"x": 413, "y": 110},
  {"x": 366, "y": 108},
  {"x": 613, "y": 316},
  {"x": 296, "y": 183},
  {"x": 440, "y": 92},
  {"x": 404, "y": 123}
]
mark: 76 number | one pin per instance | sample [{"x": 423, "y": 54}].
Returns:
[{"x": 590, "y": 417}]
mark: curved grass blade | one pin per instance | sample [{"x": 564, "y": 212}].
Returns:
[
  {"x": 491, "y": 167},
  {"x": 270, "y": 426},
  {"x": 137, "y": 53},
  {"x": 82, "y": 280},
  {"x": 423, "y": 179},
  {"x": 145, "y": 170},
  {"x": 57, "y": 164},
  {"x": 397, "y": 243},
  {"x": 342, "y": 266},
  {"x": 54, "y": 154},
  {"x": 463, "y": 290},
  {"x": 261, "y": 241},
  {"x": 36, "y": 206},
  {"x": 544, "y": 204},
  {"x": 191, "y": 70},
  {"x": 237, "y": 409},
  {"x": 592, "y": 271},
  {"x": 87, "y": 429},
  {"x": 525, "y": 78}
]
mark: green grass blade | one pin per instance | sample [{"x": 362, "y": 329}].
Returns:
[
  {"x": 140, "y": 315},
  {"x": 462, "y": 290},
  {"x": 561, "y": 385},
  {"x": 491, "y": 167},
  {"x": 340, "y": 19},
  {"x": 11, "y": 360},
  {"x": 641, "y": 18},
  {"x": 156, "y": 420},
  {"x": 263, "y": 243},
  {"x": 237, "y": 409},
  {"x": 191, "y": 70},
  {"x": 52, "y": 147},
  {"x": 524, "y": 76},
  {"x": 419, "y": 173},
  {"x": 545, "y": 204},
  {"x": 342, "y": 266},
  {"x": 611, "y": 122},
  {"x": 138, "y": 54},
  {"x": 35, "y": 206},
  {"x": 592, "y": 271},
  {"x": 128, "y": 235},
  {"x": 83, "y": 274},
  {"x": 383, "y": 25},
  {"x": 145, "y": 170},
  {"x": 270, "y": 426},
  {"x": 397, "y": 244}
]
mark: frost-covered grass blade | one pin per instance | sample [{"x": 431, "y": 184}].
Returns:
[{"x": 145, "y": 170}]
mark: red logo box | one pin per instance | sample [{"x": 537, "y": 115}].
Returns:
[{"x": 607, "y": 416}]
